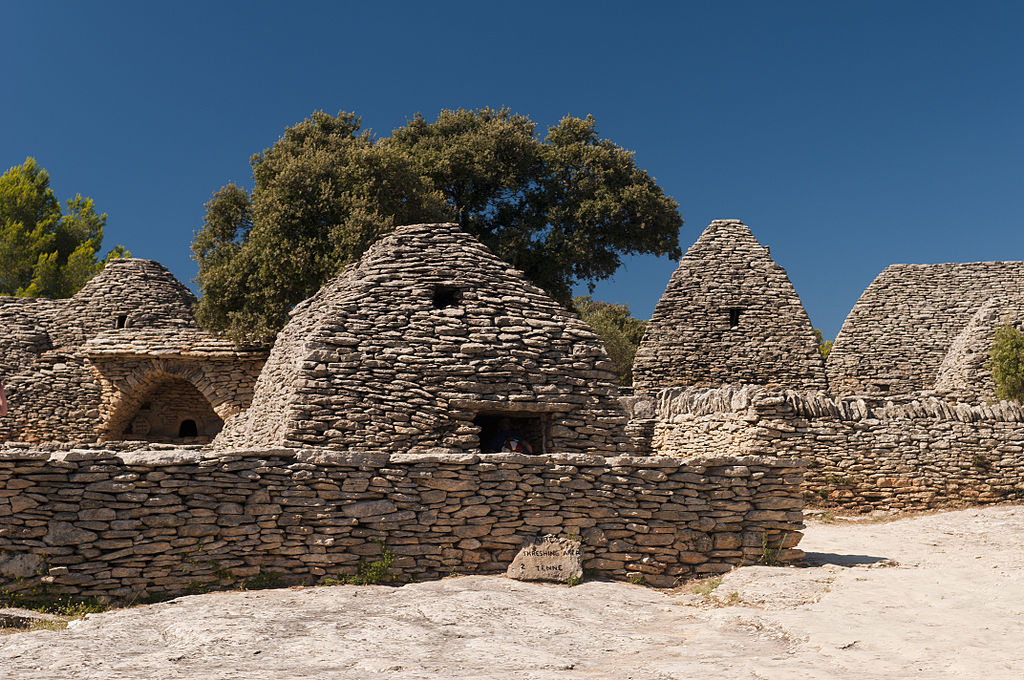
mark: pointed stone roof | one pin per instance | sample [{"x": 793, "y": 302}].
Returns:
[
  {"x": 903, "y": 326},
  {"x": 728, "y": 315},
  {"x": 427, "y": 332}
]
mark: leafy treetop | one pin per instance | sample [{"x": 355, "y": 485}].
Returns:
[
  {"x": 46, "y": 251},
  {"x": 563, "y": 209}
]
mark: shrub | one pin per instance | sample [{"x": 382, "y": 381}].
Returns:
[{"x": 1006, "y": 363}]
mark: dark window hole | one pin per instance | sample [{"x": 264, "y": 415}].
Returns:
[
  {"x": 734, "y": 317},
  {"x": 445, "y": 296},
  {"x": 530, "y": 426},
  {"x": 122, "y": 321}
]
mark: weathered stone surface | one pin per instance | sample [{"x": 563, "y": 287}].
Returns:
[
  {"x": 547, "y": 558},
  {"x": 19, "y": 565}
]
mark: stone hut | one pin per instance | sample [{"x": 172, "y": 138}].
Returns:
[
  {"x": 425, "y": 344},
  {"x": 964, "y": 373},
  {"x": 122, "y": 359},
  {"x": 911, "y": 319},
  {"x": 728, "y": 315}
]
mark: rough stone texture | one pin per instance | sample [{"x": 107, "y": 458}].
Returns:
[
  {"x": 404, "y": 349},
  {"x": 864, "y": 455},
  {"x": 691, "y": 339},
  {"x": 124, "y": 346},
  {"x": 116, "y": 524},
  {"x": 903, "y": 326},
  {"x": 964, "y": 373},
  {"x": 548, "y": 558}
]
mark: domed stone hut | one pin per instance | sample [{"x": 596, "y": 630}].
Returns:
[
  {"x": 728, "y": 315},
  {"x": 121, "y": 359},
  {"x": 897, "y": 336},
  {"x": 427, "y": 343}
]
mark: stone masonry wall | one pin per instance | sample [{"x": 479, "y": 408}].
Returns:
[
  {"x": 863, "y": 456},
  {"x": 118, "y": 524}
]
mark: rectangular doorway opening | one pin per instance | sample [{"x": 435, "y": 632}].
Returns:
[{"x": 532, "y": 427}]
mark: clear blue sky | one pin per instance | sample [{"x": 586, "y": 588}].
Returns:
[{"x": 847, "y": 135}]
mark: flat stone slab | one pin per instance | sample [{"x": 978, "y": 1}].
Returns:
[{"x": 548, "y": 558}]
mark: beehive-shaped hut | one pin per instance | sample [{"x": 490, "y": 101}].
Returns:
[
  {"x": 728, "y": 315},
  {"x": 964, "y": 373},
  {"x": 121, "y": 359},
  {"x": 896, "y": 337},
  {"x": 128, "y": 293},
  {"x": 427, "y": 343}
]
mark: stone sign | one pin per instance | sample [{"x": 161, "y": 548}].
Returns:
[{"x": 547, "y": 558}]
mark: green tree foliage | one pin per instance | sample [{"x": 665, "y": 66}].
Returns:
[
  {"x": 619, "y": 331},
  {"x": 1006, "y": 363},
  {"x": 46, "y": 251},
  {"x": 824, "y": 346},
  {"x": 562, "y": 209}
]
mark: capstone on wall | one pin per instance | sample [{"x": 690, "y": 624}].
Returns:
[
  {"x": 896, "y": 337},
  {"x": 423, "y": 344},
  {"x": 863, "y": 454},
  {"x": 728, "y": 315},
  {"x": 120, "y": 524}
]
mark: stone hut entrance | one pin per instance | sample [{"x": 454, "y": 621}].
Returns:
[
  {"x": 533, "y": 427},
  {"x": 167, "y": 409}
]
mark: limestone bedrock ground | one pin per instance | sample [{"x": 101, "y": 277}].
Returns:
[{"x": 934, "y": 596}]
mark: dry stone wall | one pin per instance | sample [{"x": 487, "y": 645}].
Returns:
[
  {"x": 728, "y": 315},
  {"x": 863, "y": 454},
  {"x": 410, "y": 346},
  {"x": 896, "y": 337},
  {"x": 118, "y": 524}
]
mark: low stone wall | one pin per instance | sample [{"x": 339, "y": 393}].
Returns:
[
  {"x": 120, "y": 524},
  {"x": 864, "y": 455}
]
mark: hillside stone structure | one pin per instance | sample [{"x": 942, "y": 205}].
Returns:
[
  {"x": 427, "y": 343},
  {"x": 122, "y": 359},
  {"x": 897, "y": 338},
  {"x": 729, "y": 315}
]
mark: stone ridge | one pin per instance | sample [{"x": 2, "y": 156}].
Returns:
[
  {"x": 904, "y": 324},
  {"x": 728, "y": 315},
  {"x": 404, "y": 348},
  {"x": 964, "y": 372}
]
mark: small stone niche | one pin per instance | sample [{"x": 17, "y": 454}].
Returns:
[
  {"x": 446, "y": 296},
  {"x": 533, "y": 427}
]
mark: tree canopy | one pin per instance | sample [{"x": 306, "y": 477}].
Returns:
[
  {"x": 46, "y": 251},
  {"x": 563, "y": 209},
  {"x": 619, "y": 331}
]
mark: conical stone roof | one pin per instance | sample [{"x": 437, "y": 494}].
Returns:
[
  {"x": 429, "y": 330},
  {"x": 128, "y": 293},
  {"x": 728, "y": 315}
]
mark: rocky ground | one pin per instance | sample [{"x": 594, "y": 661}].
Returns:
[{"x": 933, "y": 596}]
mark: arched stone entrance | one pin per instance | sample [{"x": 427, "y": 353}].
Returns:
[{"x": 164, "y": 407}]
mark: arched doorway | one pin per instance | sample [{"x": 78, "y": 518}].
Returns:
[{"x": 165, "y": 408}]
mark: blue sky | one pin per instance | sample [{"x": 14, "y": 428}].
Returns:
[{"x": 849, "y": 136}]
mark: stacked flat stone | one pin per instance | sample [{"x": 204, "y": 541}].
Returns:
[
  {"x": 964, "y": 372},
  {"x": 122, "y": 524},
  {"x": 729, "y": 315},
  {"x": 75, "y": 369},
  {"x": 864, "y": 454},
  {"x": 429, "y": 329},
  {"x": 896, "y": 337}
]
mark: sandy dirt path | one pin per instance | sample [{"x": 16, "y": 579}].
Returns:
[{"x": 938, "y": 596}]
